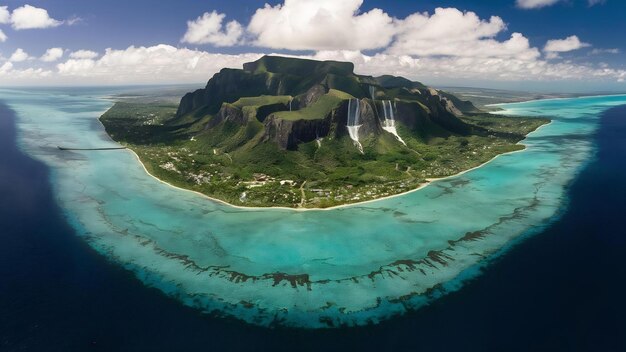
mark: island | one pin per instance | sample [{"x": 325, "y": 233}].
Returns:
[{"x": 296, "y": 133}]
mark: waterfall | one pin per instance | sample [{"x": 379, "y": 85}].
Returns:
[
  {"x": 290, "y": 100},
  {"x": 390, "y": 120},
  {"x": 354, "y": 114},
  {"x": 389, "y": 124},
  {"x": 318, "y": 140},
  {"x": 373, "y": 96}
]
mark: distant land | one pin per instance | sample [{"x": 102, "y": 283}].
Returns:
[
  {"x": 285, "y": 132},
  {"x": 483, "y": 98}
]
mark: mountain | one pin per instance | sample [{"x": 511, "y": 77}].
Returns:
[{"x": 293, "y": 101}]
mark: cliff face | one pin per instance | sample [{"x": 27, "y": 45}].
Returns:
[
  {"x": 371, "y": 125},
  {"x": 227, "y": 113},
  {"x": 191, "y": 102},
  {"x": 310, "y": 97},
  {"x": 226, "y": 87},
  {"x": 288, "y": 134}
]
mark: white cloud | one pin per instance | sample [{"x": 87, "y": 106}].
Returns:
[
  {"x": 6, "y": 67},
  {"x": 5, "y": 16},
  {"x": 553, "y": 55},
  {"x": 535, "y": 4},
  {"x": 595, "y": 2},
  {"x": 450, "y": 32},
  {"x": 31, "y": 75},
  {"x": 570, "y": 43},
  {"x": 19, "y": 55},
  {"x": 73, "y": 20},
  {"x": 168, "y": 64},
  {"x": 320, "y": 25},
  {"x": 605, "y": 51},
  {"x": 208, "y": 29},
  {"x": 84, "y": 54},
  {"x": 52, "y": 54},
  {"x": 3, "y": 37},
  {"x": 461, "y": 69},
  {"x": 29, "y": 17},
  {"x": 155, "y": 64},
  {"x": 338, "y": 25}
]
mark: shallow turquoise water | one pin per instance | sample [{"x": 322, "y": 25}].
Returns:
[{"x": 350, "y": 266}]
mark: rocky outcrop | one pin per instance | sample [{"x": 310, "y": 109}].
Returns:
[
  {"x": 412, "y": 115},
  {"x": 369, "y": 121},
  {"x": 190, "y": 102},
  {"x": 263, "y": 111},
  {"x": 458, "y": 106},
  {"x": 310, "y": 97},
  {"x": 227, "y": 113},
  {"x": 441, "y": 115},
  {"x": 288, "y": 134}
]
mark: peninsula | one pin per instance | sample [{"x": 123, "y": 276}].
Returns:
[{"x": 285, "y": 132}]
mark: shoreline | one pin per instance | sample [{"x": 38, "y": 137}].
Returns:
[
  {"x": 428, "y": 182},
  {"x": 549, "y": 99}
]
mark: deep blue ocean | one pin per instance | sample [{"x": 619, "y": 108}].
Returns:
[{"x": 560, "y": 290}]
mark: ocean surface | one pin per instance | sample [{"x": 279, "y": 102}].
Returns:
[{"x": 524, "y": 253}]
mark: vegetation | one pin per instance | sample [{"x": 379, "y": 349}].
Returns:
[
  {"x": 317, "y": 110},
  {"x": 262, "y": 100},
  {"x": 319, "y": 174}
]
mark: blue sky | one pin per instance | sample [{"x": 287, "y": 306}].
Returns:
[{"x": 556, "y": 45}]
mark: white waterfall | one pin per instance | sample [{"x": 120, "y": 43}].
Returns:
[
  {"x": 389, "y": 124},
  {"x": 373, "y": 93},
  {"x": 290, "y": 100},
  {"x": 353, "y": 126}
]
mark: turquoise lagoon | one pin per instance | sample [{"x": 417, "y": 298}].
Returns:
[{"x": 347, "y": 266}]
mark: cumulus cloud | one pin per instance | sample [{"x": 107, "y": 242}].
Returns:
[
  {"x": 535, "y": 4},
  {"x": 320, "y": 25},
  {"x": 208, "y": 29},
  {"x": 5, "y": 15},
  {"x": 154, "y": 64},
  {"x": 450, "y": 32},
  {"x": 84, "y": 54},
  {"x": 3, "y": 37},
  {"x": 19, "y": 55},
  {"x": 471, "y": 68},
  {"x": 30, "y": 75},
  {"x": 168, "y": 64},
  {"x": 29, "y": 17},
  {"x": 6, "y": 67},
  {"x": 555, "y": 46},
  {"x": 339, "y": 25},
  {"x": 52, "y": 54}
]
